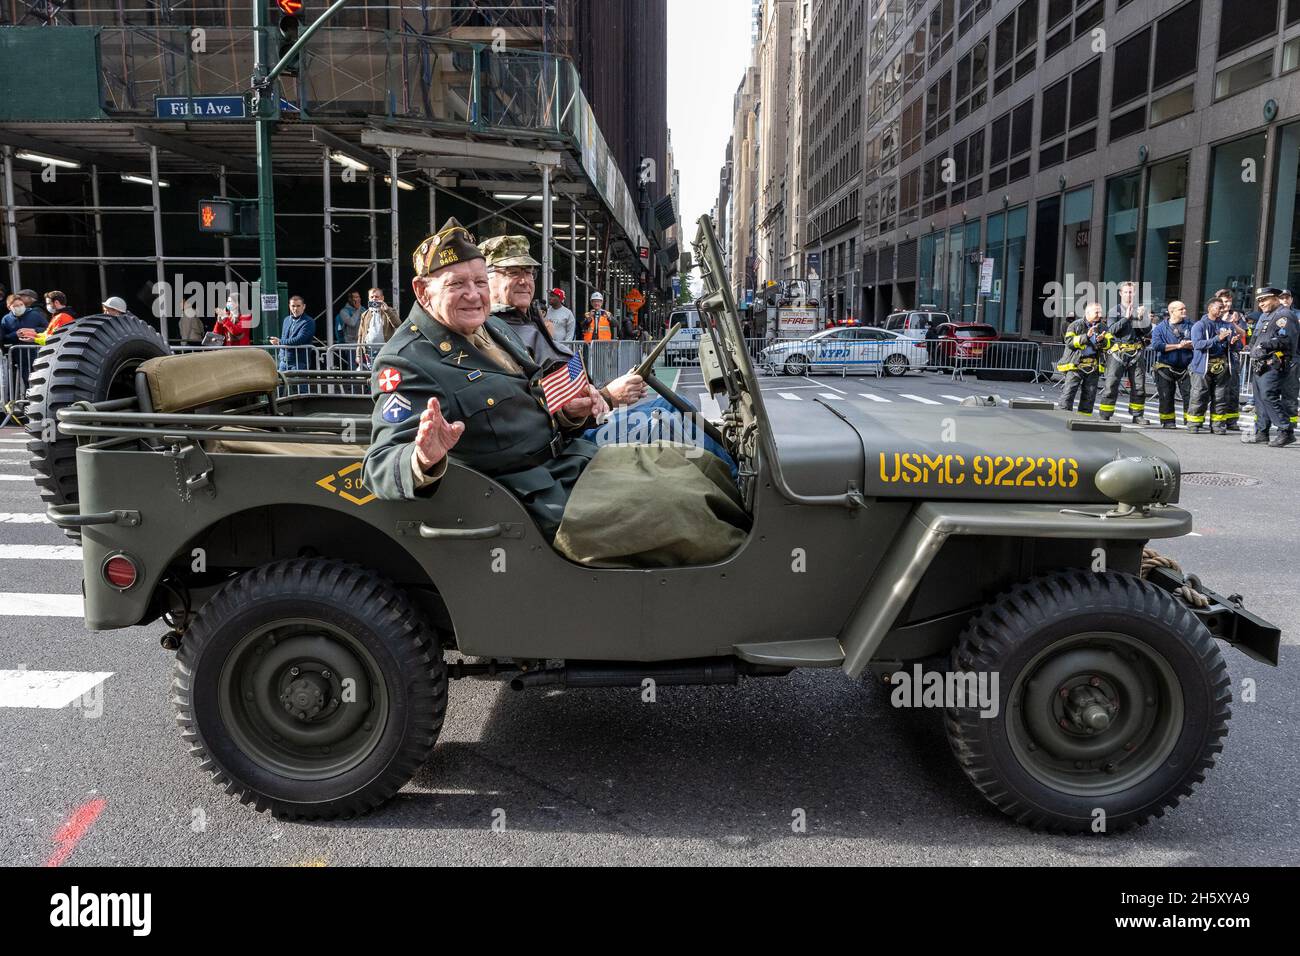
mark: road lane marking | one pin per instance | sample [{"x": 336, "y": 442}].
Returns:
[
  {"x": 26, "y": 477},
  {"x": 47, "y": 690},
  {"x": 830, "y": 396},
  {"x": 15, "y": 604},
  {"x": 39, "y": 552},
  {"x": 918, "y": 398},
  {"x": 13, "y": 441},
  {"x": 955, "y": 398},
  {"x": 23, "y": 517},
  {"x": 69, "y": 835},
  {"x": 790, "y": 396},
  {"x": 709, "y": 407},
  {"x": 824, "y": 385},
  {"x": 875, "y": 398}
]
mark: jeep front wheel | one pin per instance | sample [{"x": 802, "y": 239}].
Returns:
[
  {"x": 1113, "y": 700},
  {"x": 311, "y": 688}
]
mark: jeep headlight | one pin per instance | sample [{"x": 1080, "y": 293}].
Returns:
[{"x": 1137, "y": 481}]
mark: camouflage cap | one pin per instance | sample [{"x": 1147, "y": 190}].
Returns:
[
  {"x": 504, "y": 251},
  {"x": 446, "y": 247}
]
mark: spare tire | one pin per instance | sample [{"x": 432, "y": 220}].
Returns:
[{"x": 92, "y": 360}]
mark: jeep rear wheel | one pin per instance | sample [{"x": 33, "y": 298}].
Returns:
[
  {"x": 1113, "y": 700},
  {"x": 92, "y": 360},
  {"x": 311, "y": 688}
]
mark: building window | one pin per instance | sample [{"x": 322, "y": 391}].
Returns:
[
  {"x": 1177, "y": 40},
  {"x": 1172, "y": 105},
  {"x": 1252, "y": 72},
  {"x": 969, "y": 13},
  {"x": 1016, "y": 45},
  {"x": 1233, "y": 222},
  {"x": 1122, "y": 199},
  {"x": 929, "y": 289},
  {"x": 1162, "y": 254},
  {"x": 1132, "y": 66},
  {"x": 1005, "y": 245},
  {"x": 938, "y": 98},
  {"x": 1244, "y": 22},
  {"x": 971, "y": 271},
  {"x": 1284, "y": 246},
  {"x": 941, "y": 24},
  {"x": 1077, "y": 236},
  {"x": 972, "y": 80}
]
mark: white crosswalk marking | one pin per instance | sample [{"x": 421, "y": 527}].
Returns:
[
  {"x": 26, "y": 477},
  {"x": 875, "y": 398},
  {"x": 25, "y": 517},
  {"x": 709, "y": 406},
  {"x": 831, "y": 396},
  {"x": 13, "y": 441},
  {"x": 40, "y": 605},
  {"x": 39, "y": 552},
  {"x": 48, "y": 690},
  {"x": 918, "y": 398},
  {"x": 790, "y": 396},
  {"x": 955, "y": 398}
]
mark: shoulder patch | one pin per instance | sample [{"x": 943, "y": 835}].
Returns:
[{"x": 397, "y": 408}]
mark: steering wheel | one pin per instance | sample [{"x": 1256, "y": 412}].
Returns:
[{"x": 646, "y": 371}]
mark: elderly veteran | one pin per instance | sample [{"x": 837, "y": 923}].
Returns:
[
  {"x": 512, "y": 279},
  {"x": 451, "y": 354}
]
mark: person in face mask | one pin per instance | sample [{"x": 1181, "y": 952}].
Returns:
[
  {"x": 19, "y": 319},
  {"x": 232, "y": 325}
]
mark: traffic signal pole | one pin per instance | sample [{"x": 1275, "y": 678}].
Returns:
[{"x": 266, "y": 110}]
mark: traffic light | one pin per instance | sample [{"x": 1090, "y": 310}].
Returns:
[
  {"x": 291, "y": 17},
  {"x": 228, "y": 217}
]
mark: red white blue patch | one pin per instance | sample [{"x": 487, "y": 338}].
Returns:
[
  {"x": 389, "y": 379},
  {"x": 396, "y": 409}
]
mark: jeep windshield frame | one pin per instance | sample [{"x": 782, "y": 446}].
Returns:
[{"x": 747, "y": 424}]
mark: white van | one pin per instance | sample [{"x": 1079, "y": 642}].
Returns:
[
  {"x": 684, "y": 347},
  {"x": 915, "y": 323}
]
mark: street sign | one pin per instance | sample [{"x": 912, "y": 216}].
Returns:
[
  {"x": 986, "y": 276},
  {"x": 200, "y": 108},
  {"x": 644, "y": 253},
  {"x": 270, "y": 303},
  {"x": 634, "y": 300}
]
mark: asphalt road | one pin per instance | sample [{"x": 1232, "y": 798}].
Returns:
[{"x": 703, "y": 776}]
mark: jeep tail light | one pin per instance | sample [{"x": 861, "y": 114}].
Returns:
[{"x": 120, "y": 571}]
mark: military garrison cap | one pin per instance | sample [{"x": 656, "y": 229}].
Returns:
[
  {"x": 502, "y": 252},
  {"x": 446, "y": 247}
]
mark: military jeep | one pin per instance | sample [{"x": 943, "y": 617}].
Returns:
[{"x": 316, "y": 627}]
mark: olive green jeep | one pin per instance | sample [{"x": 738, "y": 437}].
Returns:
[{"x": 997, "y": 554}]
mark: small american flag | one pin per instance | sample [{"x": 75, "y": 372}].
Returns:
[{"x": 564, "y": 384}]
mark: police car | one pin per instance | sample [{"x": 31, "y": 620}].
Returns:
[{"x": 852, "y": 349}]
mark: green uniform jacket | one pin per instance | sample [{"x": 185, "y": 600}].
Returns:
[{"x": 508, "y": 435}]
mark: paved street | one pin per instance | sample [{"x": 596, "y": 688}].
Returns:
[{"x": 93, "y": 770}]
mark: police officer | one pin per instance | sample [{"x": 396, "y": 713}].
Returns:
[
  {"x": 452, "y": 354},
  {"x": 1273, "y": 355},
  {"x": 512, "y": 281},
  {"x": 1086, "y": 342},
  {"x": 1172, "y": 343},
  {"x": 1292, "y": 392},
  {"x": 597, "y": 324},
  {"x": 1215, "y": 343},
  {"x": 1128, "y": 324}
]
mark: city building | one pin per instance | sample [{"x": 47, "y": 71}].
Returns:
[
  {"x": 1056, "y": 144},
  {"x": 744, "y": 188},
  {"x": 396, "y": 117},
  {"x": 772, "y": 229}
]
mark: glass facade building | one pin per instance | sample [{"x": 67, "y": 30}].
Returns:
[{"x": 1077, "y": 144}]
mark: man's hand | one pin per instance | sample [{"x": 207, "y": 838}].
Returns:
[
  {"x": 1223, "y": 334},
  {"x": 26, "y": 335},
  {"x": 1186, "y": 344},
  {"x": 588, "y": 405},
  {"x": 275, "y": 340},
  {"x": 627, "y": 389},
  {"x": 436, "y": 436}
]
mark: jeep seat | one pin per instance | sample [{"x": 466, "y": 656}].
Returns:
[{"x": 182, "y": 383}]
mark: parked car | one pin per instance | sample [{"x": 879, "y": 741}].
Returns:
[
  {"x": 851, "y": 348},
  {"x": 915, "y": 323},
  {"x": 960, "y": 344}
]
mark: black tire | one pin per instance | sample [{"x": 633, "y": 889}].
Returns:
[
  {"x": 796, "y": 365},
  {"x": 92, "y": 360},
  {"x": 896, "y": 365},
  {"x": 400, "y": 678},
  {"x": 1118, "y": 629}
]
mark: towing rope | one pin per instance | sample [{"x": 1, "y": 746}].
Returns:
[{"x": 1151, "y": 559}]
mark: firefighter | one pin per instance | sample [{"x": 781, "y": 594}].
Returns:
[
  {"x": 1087, "y": 341},
  {"x": 1128, "y": 324},
  {"x": 1242, "y": 325},
  {"x": 597, "y": 325},
  {"x": 1215, "y": 343},
  {"x": 1172, "y": 343}
]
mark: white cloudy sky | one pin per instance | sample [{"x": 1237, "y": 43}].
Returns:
[{"x": 708, "y": 49}]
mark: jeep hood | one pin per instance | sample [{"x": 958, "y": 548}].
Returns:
[{"x": 953, "y": 452}]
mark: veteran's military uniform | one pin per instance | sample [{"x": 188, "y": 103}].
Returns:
[
  {"x": 503, "y": 252},
  {"x": 1082, "y": 364},
  {"x": 1124, "y": 360},
  {"x": 488, "y": 381}
]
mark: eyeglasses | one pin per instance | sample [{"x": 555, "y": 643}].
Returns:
[{"x": 518, "y": 272}]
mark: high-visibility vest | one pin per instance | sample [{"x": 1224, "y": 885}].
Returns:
[{"x": 601, "y": 323}]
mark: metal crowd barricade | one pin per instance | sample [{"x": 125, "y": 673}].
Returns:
[
  {"x": 1020, "y": 357},
  {"x": 17, "y": 368}
]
